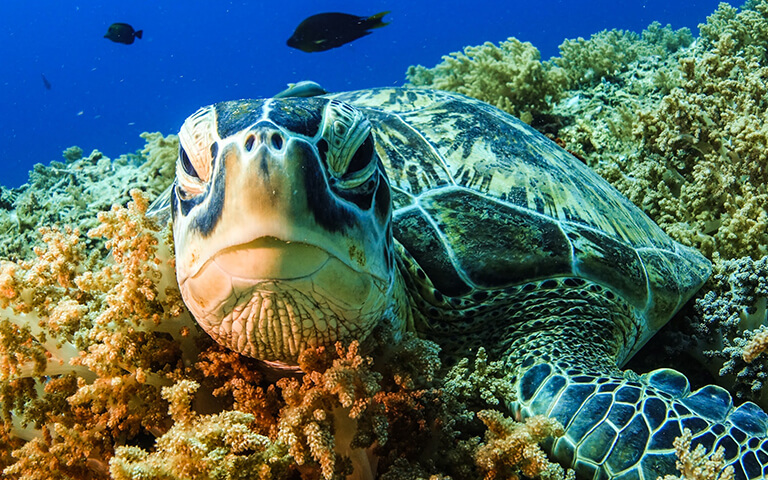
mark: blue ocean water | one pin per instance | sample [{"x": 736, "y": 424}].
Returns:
[{"x": 104, "y": 94}]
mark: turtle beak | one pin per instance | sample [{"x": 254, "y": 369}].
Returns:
[{"x": 270, "y": 188}]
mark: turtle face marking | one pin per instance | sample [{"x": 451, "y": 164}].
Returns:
[{"x": 280, "y": 235}]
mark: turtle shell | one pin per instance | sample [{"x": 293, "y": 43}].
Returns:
[{"x": 482, "y": 202}]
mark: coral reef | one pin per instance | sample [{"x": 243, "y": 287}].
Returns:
[
  {"x": 694, "y": 464},
  {"x": 104, "y": 374},
  {"x": 73, "y": 191},
  {"x": 732, "y": 319},
  {"x": 510, "y": 76}
]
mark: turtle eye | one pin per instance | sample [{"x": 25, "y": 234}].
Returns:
[
  {"x": 188, "y": 178},
  {"x": 362, "y": 157},
  {"x": 347, "y": 145},
  {"x": 186, "y": 164}
]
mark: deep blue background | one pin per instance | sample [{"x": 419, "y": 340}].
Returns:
[{"x": 198, "y": 52}]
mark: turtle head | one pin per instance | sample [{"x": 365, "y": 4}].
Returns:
[{"x": 281, "y": 222}]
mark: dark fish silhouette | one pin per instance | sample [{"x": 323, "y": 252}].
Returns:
[
  {"x": 330, "y": 30},
  {"x": 122, "y": 33},
  {"x": 46, "y": 82}
]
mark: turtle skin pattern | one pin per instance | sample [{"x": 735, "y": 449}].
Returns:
[
  {"x": 494, "y": 237},
  {"x": 618, "y": 425}
]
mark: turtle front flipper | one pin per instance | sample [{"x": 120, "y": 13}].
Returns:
[{"x": 620, "y": 426}]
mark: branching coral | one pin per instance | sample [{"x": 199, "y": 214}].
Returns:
[
  {"x": 86, "y": 343},
  {"x": 236, "y": 382},
  {"x": 73, "y": 191},
  {"x": 733, "y": 317},
  {"x": 609, "y": 53},
  {"x": 512, "y": 449},
  {"x": 510, "y": 76},
  {"x": 198, "y": 447},
  {"x": 324, "y": 420},
  {"x": 708, "y": 143},
  {"x": 748, "y": 28},
  {"x": 604, "y": 55},
  {"x": 757, "y": 344},
  {"x": 695, "y": 464}
]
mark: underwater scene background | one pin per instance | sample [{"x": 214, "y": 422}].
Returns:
[
  {"x": 104, "y": 373},
  {"x": 104, "y": 94}
]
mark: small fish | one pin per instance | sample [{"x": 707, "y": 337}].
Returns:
[
  {"x": 324, "y": 31},
  {"x": 122, "y": 33},
  {"x": 46, "y": 82}
]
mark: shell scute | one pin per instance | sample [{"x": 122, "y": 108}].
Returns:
[
  {"x": 609, "y": 262},
  {"x": 492, "y": 189},
  {"x": 513, "y": 245},
  {"x": 429, "y": 250}
]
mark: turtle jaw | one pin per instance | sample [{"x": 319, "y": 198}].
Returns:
[
  {"x": 271, "y": 300},
  {"x": 271, "y": 258}
]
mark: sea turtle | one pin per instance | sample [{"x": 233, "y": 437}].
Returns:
[{"x": 304, "y": 221}]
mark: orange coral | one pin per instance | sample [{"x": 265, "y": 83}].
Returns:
[
  {"x": 322, "y": 411},
  {"x": 757, "y": 345},
  {"x": 86, "y": 343}
]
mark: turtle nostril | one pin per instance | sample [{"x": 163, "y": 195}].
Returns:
[
  {"x": 249, "y": 142},
  {"x": 277, "y": 141}
]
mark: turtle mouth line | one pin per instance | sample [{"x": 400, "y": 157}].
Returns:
[{"x": 269, "y": 258}]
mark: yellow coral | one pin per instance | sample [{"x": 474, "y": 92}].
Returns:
[
  {"x": 87, "y": 342},
  {"x": 695, "y": 464},
  {"x": 509, "y": 76},
  {"x": 202, "y": 447},
  {"x": 512, "y": 449}
]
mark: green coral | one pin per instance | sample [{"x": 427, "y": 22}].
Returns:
[
  {"x": 747, "y": 28},
  {"x": 609, "y": 53},
  {"x": 665, "y": 40},
  {"x": 603, "y": 56},
  {"x": 703, "y": 156},
  {"x": 71, "y": 192},
  {"x": 510, "y": 76}
]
